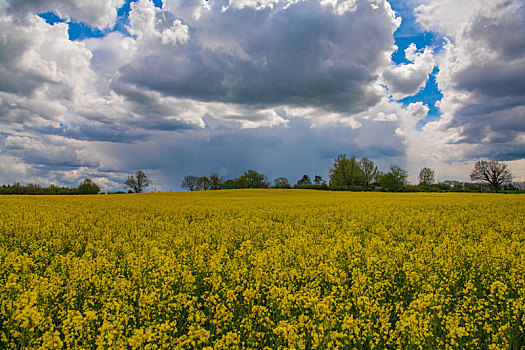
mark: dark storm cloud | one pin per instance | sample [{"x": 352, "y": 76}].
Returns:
[
  {"x": 492, "y": 72},
  {"x": 494, "y": 79},
  {"x": 303, "y": 55},
  {"x": 502, "y": 151},
  {"x": 488, "y": 124}
]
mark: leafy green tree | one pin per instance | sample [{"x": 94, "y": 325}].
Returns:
[
  {"x": 369, "y": 170},
  {"x": 346, "y": 172},
  {"x": 281, "y": 182},
  {"x": 256, "y": 179},
  {"x": 241, "y": 182},
  {"x": 395, "y": 179},
  {"x": 228, "y": 184},
  {"x": 88, "y": 187},
  {"x": 305, "y": 180},
  {"x": 426, "y": 177},
  {"x": 378, "y": 176},
  {"x": 31, "y": 189},
  {"x": 216, "y": 181},
  {"x": 203, "y": 183},
  {"x": 338, "y": 171},
  {"x": 138, "y": 182},
  {"x": 318, "y": 180}
]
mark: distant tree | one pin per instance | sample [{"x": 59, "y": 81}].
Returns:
[
  {"x": 377, "y": 178},
  {"x": 203, "y": 183},
  {"x": 305, "y": 180},
  {"x": 281, "y": 182},
  {"x": 454, "y": 184},
  {"x": 88, "y": 187},
  {"x": 33, "y": 189},
  {"x": 395, "y": 179},
  {"x": 426, "y": 177},
  {"x": 53, "y": 189},
  {"x": 241, "y": 182},
  {"x": 492, "y": 173},
  {"x": 346, "y": 172},
  {"x": 190, "y": 182},
  {"x": 138, "y": 182},
  {"x": 318, "y": 180},
  {"x": 369, "y": 170},
  {"x": 228, "y": 184},
  {"x": 256, "y": 179},
  {"x": 519, "y": 185},
  {"x": 440, "y": 186},
  {"x": 216, "y": 181}
]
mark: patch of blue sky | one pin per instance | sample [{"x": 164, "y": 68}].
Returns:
[
  {"x": 421, "y": 40},
  {"x": 429, "y": 95},
  {"x": 158, "y": 3},
  {"x": 76, "y": 30},
  {"x": 80, "y": 30},
  {"x": 412, "y": 32},
  {"x": 51, "y": 18}
]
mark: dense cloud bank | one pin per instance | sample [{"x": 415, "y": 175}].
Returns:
[
  {"x": 279, "y": 85},
  {"x": 482, "y": 75}
]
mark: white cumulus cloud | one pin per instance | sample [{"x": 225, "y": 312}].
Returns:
[{"x": 407, "y": 79}]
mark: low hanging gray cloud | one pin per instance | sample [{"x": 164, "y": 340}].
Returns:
[{"x": 290, "y": 151}]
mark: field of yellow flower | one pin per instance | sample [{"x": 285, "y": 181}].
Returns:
[{"x": 263, "y": 269}]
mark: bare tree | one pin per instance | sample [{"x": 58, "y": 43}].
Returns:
[
  {"x": 138, "y": 182},
  {"x": 519, "y": 185},
  {"x": 491, "y": 172},
  {"x": 426, "y": 176},
  {"x": 190, "y": 182}
]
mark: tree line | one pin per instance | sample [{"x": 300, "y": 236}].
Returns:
[
  {"x": 351, "y": 174},
  {"x": 87, "y": 186},
  {"x": 136, "y": 183},
  {"x": 346, "y": 174}
]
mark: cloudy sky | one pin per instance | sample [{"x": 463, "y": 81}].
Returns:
[{"x": 103, "y": 88}]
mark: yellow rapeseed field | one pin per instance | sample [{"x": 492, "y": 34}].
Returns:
[{"x": 263, "y": 269}]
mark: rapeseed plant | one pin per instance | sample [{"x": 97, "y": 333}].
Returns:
[{"x": 275, "y": 269}]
